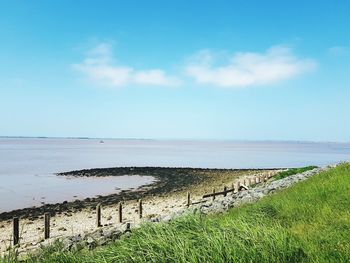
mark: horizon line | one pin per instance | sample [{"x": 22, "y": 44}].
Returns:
[{"x": 163, "y": 139}]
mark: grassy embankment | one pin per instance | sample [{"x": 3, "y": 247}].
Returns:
[
  {"x": 309, "y": 222},
  {"x": 292, "y": 171}
]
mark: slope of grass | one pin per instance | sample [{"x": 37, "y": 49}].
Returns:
[
  {"x": 309, "y": 222},
  {"x": 292, "y": 171}
]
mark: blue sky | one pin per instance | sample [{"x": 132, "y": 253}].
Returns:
[{"x": 238, "y": 70}]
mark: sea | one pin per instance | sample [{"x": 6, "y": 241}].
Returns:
[{"x": 28, "y": 166}]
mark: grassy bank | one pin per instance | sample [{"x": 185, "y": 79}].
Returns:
[
  {"x": 309, "y": 222},
  {"x": 292, "y": 171}
]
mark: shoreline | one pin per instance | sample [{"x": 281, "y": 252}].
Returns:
[
  {"x": 166, "y": 196},
  {"x": 167, "y": 180}
]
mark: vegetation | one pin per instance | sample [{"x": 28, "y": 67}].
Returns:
[
  {"x": 309, "y": 222},
  {"x": 292, "y": 171}
]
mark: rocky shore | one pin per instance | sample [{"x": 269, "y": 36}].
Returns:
[
  {"x": 161, "y": 199},
  {"x": 167, "y": 180},
  {"x": 111, "y": 233}
]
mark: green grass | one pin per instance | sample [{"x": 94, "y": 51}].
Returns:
[
  {"x": 292, "y": 171},
  {"x": 309, "y": 222}
]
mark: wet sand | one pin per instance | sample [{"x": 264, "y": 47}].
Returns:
[{"x": 166, "y": 195}]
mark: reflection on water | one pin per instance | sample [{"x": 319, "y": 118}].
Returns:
[{"x": 27, "y": 166}]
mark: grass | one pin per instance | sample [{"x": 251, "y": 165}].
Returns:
[
  {"x": 292, "y": 171},
  {"x": 309, "y": 222}
]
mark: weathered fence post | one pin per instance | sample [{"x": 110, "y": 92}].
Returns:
[
  {"x": 233, "y": 188},
  {"x": 128, "y": 227},
  {"x": 98, "y": 215},
  {"x": 213, "y": 193},
  {"x": 120, "y": 212},
  {"x": 238, "y": 186},
  {"x": 188, "y": 199},
  {"x": 47, "y": 225},
  {"x": 225, "y": 189},
  {"x": 140, "y": 208},
  {"x": 15, "y": 222}
]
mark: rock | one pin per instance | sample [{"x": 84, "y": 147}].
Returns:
[
  {"x": 112, "y": 234},
  {"x": 155, "y": 219},
  {"x": 96, "y": 234},
  {"x": 67, "y": 244},
  {"x": 126, "y": 235},
  {"x": 76, "y": 238},
  {"x": 62, "y": 229},
  {"x": 91, "y": 243},
  {"x": 243, "y": 187},
  {"x": 76, "y": 247},
  {"x": 166, "y": 218}
]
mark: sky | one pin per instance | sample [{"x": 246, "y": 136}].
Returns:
[{"x": 220, "y": 70}]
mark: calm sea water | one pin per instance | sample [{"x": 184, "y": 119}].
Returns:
[{"x": 27, "y": 166}]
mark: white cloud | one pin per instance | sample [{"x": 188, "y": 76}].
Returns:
[
  {"x": 247, "y": 68},
  {"x": 242, "y": 69},
  {"x": 100, "y": 67}
]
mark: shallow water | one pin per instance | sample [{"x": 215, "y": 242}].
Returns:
[{"x": 27, "y": 165}]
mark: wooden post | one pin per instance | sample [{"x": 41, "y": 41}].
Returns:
[
  {"x": 120, "y": 212},
  {"x": 252, "y": 181},
  {"x": 213, "y": 193},
  {"x": 188, "y": 199},
  {"x": 47, "y": 225},
  {"x": 247, "y": 183},
  {"x": 238, "y": 186},
  {"x": 98, "y": 215},
  {"x": 140, "y": 208},
  {"x": 225, "y": 189},
  {"x": 15, "y": 231},
  {"x": 233, "y": 188},
  {"x": 128, "y": 227}
]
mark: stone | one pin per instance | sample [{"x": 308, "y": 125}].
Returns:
[
  {"x": 112, "y": 234},
  {"x": 91, "y": 243}
]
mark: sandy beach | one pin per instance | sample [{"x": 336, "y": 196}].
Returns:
[{"x": 167, "y": 195}]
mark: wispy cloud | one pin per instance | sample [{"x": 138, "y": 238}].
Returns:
[
  {"x": 100, "y": 67},
  {"x": 245, "y": 69},
  {"x": 219, "y": 69}
]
